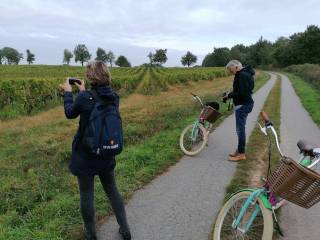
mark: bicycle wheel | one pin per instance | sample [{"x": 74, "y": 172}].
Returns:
[
  {"x": 261, "y": 228},
  {"x": 193, "y": 145}
]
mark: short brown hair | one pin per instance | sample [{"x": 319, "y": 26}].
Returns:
[{"x": 98, "y": 73}]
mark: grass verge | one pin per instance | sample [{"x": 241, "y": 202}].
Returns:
[
  {"x": 309, "y": 96},
  {"x": 40, "y": 197}
]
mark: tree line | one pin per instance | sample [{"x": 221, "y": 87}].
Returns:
[
  {"x": 81, "y": 54},
  {"x": 299, "y": 48},
  {"x": 10, "y": 55}
]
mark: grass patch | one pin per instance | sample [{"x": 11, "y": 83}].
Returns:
[
  {"x": 40, "y": 197},
  {"x": 309, "y": 96}
]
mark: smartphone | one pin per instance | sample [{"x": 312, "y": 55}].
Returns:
[{"x": 73, "y": 80}]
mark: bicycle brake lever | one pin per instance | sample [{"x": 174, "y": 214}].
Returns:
[{"x": 263, "y": 129}]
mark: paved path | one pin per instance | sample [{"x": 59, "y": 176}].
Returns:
[
  {"x": 298, "y": 223},
  {"x": 183, "y": 202}
]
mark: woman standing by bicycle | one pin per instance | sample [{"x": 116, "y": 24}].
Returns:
[
  {"x": 84, "y": 164},
  {"x": 243, "y": 85}
]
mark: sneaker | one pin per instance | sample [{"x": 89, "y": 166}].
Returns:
[
  {"x": 126, "y": 235},
  {"x": 238, "y": 157},
  {"x": 233, "y": 154}
]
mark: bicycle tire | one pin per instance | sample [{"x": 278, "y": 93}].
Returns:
[
  {"x": 203, "y": 143},
  {"x": 267, "y": 231}
]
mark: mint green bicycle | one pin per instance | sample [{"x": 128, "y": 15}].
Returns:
[
  {"x": 250, "y": 213},
  {"x": 194, "y": 137}
]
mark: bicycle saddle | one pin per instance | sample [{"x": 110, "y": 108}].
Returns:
[{"x": 307, "y": 147}]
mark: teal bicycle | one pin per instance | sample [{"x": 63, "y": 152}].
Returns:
[
  {"x": 195, "y": 137},
  {"x": 250, "y": 213}
]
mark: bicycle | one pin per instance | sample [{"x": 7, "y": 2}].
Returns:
[
  {"x": 250, "y": 213},
  {"x": 194, "y": 137}
]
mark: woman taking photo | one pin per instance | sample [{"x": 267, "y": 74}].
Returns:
[{"x": 84, "y": 164}]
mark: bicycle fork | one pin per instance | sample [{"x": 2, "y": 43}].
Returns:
[
  {"x": 195, "y": 130},
  {"x": 251, "y": 200}
]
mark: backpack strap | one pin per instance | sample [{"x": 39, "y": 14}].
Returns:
[{"x": 97, "y": 98}]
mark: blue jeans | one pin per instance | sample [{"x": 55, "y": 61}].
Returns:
[{"x": 241, "y": 119}]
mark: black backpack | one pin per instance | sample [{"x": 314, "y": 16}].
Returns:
[{"x": 103, "y": 134}]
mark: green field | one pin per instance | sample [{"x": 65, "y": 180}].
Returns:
[
  {"x": 26, "y": 90},
  {"x": 41, "y": 199}
]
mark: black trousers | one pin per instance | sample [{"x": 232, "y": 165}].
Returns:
[{"x": 86, "y": 186}]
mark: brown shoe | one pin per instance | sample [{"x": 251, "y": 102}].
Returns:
[
  {"x": 238, "y": 157},
  {"x": 233, "y": 154}
]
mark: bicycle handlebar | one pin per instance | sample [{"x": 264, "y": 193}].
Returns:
[
  {"x": 264, "y": 117},
  {"x": 268, "y": 125},
  {"x": 196, "y": 97}
]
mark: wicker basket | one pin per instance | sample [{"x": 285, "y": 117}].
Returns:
[
  {"x": 295, "y": 183},
  {"x": 209, "y": 114}
]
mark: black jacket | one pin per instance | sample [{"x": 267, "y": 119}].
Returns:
[
  {"x": 243, "y": 85},
  {"x": 83, "y": 163}
]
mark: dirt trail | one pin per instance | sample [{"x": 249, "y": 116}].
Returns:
[
  {"x": 183, "y": 202},
  {"x": 297, "y": 223}
]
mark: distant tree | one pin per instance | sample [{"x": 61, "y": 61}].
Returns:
[
  {"x": 150, "y": 56},
  {"x": 260, "y": 53},
  {"x": 11, "y": 55},
  {"x": 281, "y": 53},
  {"x": 301, "y": 48},
  {"x": 188, "y": 59},
  {"x": 81, "y": 54},
  {"x": 30, "y": 57},
  {"x": 160, "y": 56},
  {"x": 239, "y": 52},
  {"x": 1, "y": 56},
  {"x": 110, "y": 57},
  {"x": 310, "y": 43},
  {"x": 122, "y": 61},
  {"x": 67, "y": 55},
  {"x": 102, "y": 55},
  {"x": 218, "y": 58}
]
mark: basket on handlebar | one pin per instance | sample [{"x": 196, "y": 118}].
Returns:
[
  {"x": 210, "y": 114},
  {"x": 295, "y": 183}
]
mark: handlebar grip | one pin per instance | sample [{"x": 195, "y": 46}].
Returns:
[{"x": 264, "y": 116}]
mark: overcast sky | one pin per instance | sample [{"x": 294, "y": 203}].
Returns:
[{"x": 133, "y": 28}]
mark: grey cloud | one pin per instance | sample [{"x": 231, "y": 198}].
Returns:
[{"x": 133, "y": 28}]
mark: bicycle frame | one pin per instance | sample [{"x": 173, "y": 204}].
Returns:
[{"x": 199, "y": 121}]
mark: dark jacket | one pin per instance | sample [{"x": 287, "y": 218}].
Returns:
[
  {"x": 83, "y": 163},
  {"x": 243, "y": 85}
]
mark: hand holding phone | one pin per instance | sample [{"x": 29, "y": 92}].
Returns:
[{"x": 72, "y": 81}]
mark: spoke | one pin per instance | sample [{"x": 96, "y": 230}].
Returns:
[{"x": 256, "y": 229}]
